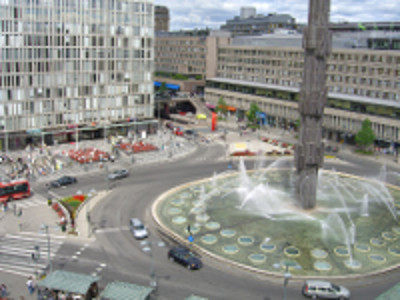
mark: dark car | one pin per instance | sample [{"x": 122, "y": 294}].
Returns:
[
  {"x": 184, "y": 257},
  {"x": 118, "y": 174},
  {"x": 65, "y": 180}
]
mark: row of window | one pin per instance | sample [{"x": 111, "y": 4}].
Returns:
[{"x": 372, "y": 109}]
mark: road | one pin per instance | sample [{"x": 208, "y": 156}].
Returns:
[{"x": 116, "y": 255}]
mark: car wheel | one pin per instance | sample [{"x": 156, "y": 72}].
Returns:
[{"x": 189, "y": 267}]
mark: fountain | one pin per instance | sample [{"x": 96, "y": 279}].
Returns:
[
  {"x": 252, "y": 218},
  {"x": 271, "y": 218}
]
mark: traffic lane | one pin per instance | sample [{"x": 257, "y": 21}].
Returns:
[{"x": 145, "y": 191}]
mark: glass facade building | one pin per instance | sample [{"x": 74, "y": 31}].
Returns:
[{"x": 75, "y": 62}]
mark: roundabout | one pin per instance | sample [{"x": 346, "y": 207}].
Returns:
[{"x": 251, "y": 219}]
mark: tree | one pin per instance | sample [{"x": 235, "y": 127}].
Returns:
[
  {"x": 252, "y": 113},
  {"x": 221, "y": 107},
  {"x": 163, "y": 87},
  {"x": 365, "y": 137}
]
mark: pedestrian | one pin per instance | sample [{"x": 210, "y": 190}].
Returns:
[
  {"x": 30, "y": 285},
  {"x": 3, "y": 290}
]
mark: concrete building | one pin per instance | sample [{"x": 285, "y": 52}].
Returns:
[
  {"x": 250, "y": 23},
  {"x": 362, "y": 83},
  {"x": 185, "y": 59},
  {"x": 73, "y": 64},
  {"x": 247, "y": 12},
  {"x": 161, "y": 17}
]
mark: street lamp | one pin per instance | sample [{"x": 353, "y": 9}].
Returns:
[
  {"x": 46, "y": 228},
  {"x": 287, "y": 275},
  {"x": 147, "y": 246}
]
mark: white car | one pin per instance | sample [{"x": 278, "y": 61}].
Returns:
[
  {"x": 320, "y": 289},
  {"x": 138, "y": 230},
  {"x": 118, "y": 174}
]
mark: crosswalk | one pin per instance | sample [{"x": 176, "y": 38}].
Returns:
[
  {"x": 27, "y": 253},
  {"x": 27, "y": 203}
]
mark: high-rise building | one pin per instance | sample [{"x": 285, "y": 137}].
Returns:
[
  {"x": 74, "y": 63},
  {"x": 161, "y": 17}
]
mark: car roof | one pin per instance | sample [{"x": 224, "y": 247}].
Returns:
[
  {"x": 318, "y": 283},
  {"x": 136, "y": 221}
]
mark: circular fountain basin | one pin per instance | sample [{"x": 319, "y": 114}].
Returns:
[{"x": 253, "y": 219}]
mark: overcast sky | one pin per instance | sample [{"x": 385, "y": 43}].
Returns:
[{"x": 190, "y": 14}]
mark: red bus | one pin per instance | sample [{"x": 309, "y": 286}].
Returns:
[{"x": 14, "y": 190}]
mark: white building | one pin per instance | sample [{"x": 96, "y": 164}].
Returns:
[{"x": 69, "y": 63}]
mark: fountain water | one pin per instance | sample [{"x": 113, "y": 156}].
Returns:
[{"x": 254, "y": 219}]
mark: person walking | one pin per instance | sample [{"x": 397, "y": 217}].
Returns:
[
  {"x": 3, "y": 291},
  {"x": 30, "y": 285}
]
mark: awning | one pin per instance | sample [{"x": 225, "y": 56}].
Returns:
[
  {"x": 68, "y": 282},
  {"x": 125, "y": 291},
  {"x": 170, "y": 86},
  {"x": 34, "y": 131}
]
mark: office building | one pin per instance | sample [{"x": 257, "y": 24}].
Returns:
[
  {"x": 75, "y": 64},
  {"x": 250, "y": 23},
  {"x": 362, "y": 83},
  {"x": 161, "y": 17},
  {"x": 184, "y": 59}
]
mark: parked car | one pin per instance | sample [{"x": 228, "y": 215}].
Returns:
[
  {"x": 65, "y": 180},
  {"x": 320, "y": 289},
  {"x": 118, "y": 174},
  {"x": 184, "y": 257},
  {"x": 138, "y": 230}
]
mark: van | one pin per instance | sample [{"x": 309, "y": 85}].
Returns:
[
  {"x": 320, "y": 289},
  {"x": 138, "y": 230}
]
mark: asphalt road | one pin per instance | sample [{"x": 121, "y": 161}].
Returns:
[{"x": 116, "y": 255}]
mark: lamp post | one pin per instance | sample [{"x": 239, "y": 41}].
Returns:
[
  {"x": 46, "y": 228},
  {"x": 287, "y": 275},
  {"x": 147, "y": 246}
]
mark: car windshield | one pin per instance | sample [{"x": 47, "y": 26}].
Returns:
[
  {"x": 336, "y": 288},
  {"x": 139, "y": 227}
]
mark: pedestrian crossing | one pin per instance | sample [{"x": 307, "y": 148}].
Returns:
[
  {"x": 27, "y": 203},
  {"x": 27, "y": 253}
]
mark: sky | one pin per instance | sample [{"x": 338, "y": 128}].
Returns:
[{"x": 191, "y": 14}]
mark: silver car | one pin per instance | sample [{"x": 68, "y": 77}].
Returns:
[
  {"x": 118, "y": 174},
  {"x": 138, "y": 230},
  {"x": 320, "y": 289}
]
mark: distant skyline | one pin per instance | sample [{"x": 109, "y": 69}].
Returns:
[{"x": 191, "y": 14}]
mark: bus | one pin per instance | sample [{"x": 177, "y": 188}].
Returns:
[{"x": 14, "y": 190}]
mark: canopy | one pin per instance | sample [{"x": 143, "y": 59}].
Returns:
[
  {"x": 68, "y": 282},
  {"x": 125, "y": 291},
  {"x": 170, "y": 86},
  {"x": 201, "y": 116}
]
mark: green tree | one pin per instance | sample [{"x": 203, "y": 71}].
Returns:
[
  {"x": 163, "y": 87},
  {"x": 221, "y": 107},
  {"x": 252, "y": 113},
  {"x": 365, "y": 137}
]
